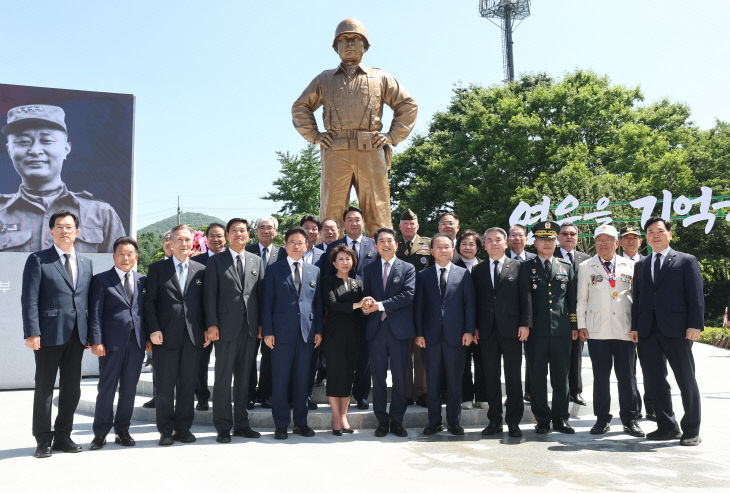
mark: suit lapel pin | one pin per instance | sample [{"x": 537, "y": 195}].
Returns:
[
  {"x": 144, "y": 290},
  {"x": 599, "y": 278},
  {"x": 369, "y": 255},
  {"x": 254, "y": 273},
  {"x": 198, "y": 282},
  {"x": 396, "y": 279},
  {"x": 313, "y": 283}
]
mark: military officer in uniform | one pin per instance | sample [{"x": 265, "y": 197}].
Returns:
[
  {"x": 553, "y": 288},
  {"x": 354, "y": 150},
  {"x": 37, "y": 142},
  {"x": 415, "y": 250}
]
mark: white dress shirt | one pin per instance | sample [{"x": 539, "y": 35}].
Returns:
[
  {"x": 235, "y": 255},
  {"x": 664, "y": 254},
  {"x": 519, "y": 257},
  {"x": 382, "y": 269},
  {"x": 499, "y": 267},
  {"x": 438, "y": 272}
]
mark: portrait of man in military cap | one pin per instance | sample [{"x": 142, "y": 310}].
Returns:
[{"x": 38, "y": 144}]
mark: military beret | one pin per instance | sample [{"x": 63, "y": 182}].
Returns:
[
  {"x": 408, "y": 215},
  {"x": 33, "y": 115},
  {"x": 629, "y": 230},
  {"x": 546, "y": 229}
]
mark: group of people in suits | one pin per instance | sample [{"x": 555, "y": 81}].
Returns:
[{"x": 372, "y": 304}]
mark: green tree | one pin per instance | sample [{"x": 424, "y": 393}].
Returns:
[
  {"x": 298, "y": 184},
  {"x": 150, "y": 246}
]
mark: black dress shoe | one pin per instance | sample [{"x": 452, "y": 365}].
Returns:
[
  {"x": 280, "y": 434},
  {"x": 432, "y": 429},
  {"x": 455, "y": 430},
  {"x": 337, "y": 433},
  {"x": 304, "y": 431},
  {"x": 202, "y": 406},
  {"x": 578, "y": 399},
  {"x": 514, "y": 431},
  {"x": 183, "y": 437},
  {"x": 398, "y": 430},
  {"x": 66, "y": 445},
  {"x": 348, "y": 430},
  {"x": 663, "y": 435},
  {"x": 542, "y": 428},
  {"x": 43, "y": 450},
  {"x": 562, "y": 426},
  {"x": 124, "y": 439},
  {"x": 150, "y": 404},
  {"x": 602, "y": 426},
  {"x": 246, "y": 433},
  {"x": 265, "y": 403},
  {"x": 381, "y": 430},
  {"x": 223, "y": 437},
  {"x": 97, "y": 443},
  {"x": 493, "y": 428},
  {"x": 632, "y": 428},
  {"x": 362, "y": 404},
  {"x": 527, "y": 397},
  {"x": 690, "y": 440},
  {"x": 165, "y": 440},
  {"x": 651, "y": 416},
  {"x": 311, "y": 405},
  {"x": 250, "y": 404}
]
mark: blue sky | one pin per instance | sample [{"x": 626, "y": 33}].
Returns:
[{"x": 214, "y": 81}]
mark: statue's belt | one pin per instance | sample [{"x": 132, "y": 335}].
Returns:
[{"x": 362, "y": 140}]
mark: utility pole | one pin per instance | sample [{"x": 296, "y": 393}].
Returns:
[{"x": 179, "y": 212}]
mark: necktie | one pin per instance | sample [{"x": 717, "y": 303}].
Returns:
[
  {"x": 547, "y": 267},
  {"x": 69, "y": 271},
  {"x": 265, "y": 257},
  {"x": 442, "y": 282},
  {"x": 239, "y": 268},
  {"x": 357, "y": 250},
  {"x": 297, "y": 277},
  {"x": 657, "y": 266},
  {"x": 496, "y": 273},
  {"x": 182, "y": 276},
  {"x": 608, "y": 265},
  {"x": 128, "y": 286},
  {"x": 386, "y": 269},
  {"x": 409, "y": 244},
  {"x": 570, "y": 257}
]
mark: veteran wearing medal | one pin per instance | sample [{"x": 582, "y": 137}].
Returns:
[
  {"x": 37, "y": 143},
  {"x": 553, "y": 288},
  {"x": 604, "y": 320},
  {"x": 415, "y": 250}
]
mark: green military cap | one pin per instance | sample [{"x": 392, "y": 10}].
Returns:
[
  {"x": 546, "y": 229},
  {"x": 34, "y": 115},
  {"x": 629, "y": 230},
  {"x": 408, "y": 215}
]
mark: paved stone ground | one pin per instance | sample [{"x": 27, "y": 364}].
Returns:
[{"x": 361, "y": 462}]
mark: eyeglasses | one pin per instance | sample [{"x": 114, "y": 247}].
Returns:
[
  {"x": 64, "y": 228},
  {"x": 265, "y": 228}
]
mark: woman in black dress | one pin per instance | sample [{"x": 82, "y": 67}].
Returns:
[{"x": 343, "y": 298}]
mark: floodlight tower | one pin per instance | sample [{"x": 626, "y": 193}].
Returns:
[{"x": 508, "y": 11}]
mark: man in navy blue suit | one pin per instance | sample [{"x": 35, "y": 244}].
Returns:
[
  {"x": 445, "y": 322},
  {"x": 173, "y": 313},
  {"x": 54, "y": 303},
  {"x": 389, "y": 286},
  {"x": 119, "y": 339},
  {"x": 364, "y": 248},
  {"x": 291, "y": 319},
  {"x": 668, "y": 313}
]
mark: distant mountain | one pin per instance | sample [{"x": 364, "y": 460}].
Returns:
[{"x": 195, "y": 219}]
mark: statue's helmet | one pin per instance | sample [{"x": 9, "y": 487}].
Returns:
[{"x": 351, "y": 26}]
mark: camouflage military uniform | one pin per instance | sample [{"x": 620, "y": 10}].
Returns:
[{"x": 24, "y": 222}]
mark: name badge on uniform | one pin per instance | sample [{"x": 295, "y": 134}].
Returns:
[
  {"x": 9, "y": 227},
  {"x": 396, "y": 279}
]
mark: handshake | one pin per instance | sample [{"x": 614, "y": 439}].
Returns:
[{"x": 368, "y": 305}]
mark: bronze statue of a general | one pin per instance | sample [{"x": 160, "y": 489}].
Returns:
[{"x": 354, "y": 150}]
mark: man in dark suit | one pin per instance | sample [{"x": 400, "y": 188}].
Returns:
[
  {"x": 445, "y": 321},
  {"x": 173, "y": 312},
  {"x": 119, "y": 339},
  {"x": 54, "y": 303},
  {"x": 231, "y": 299},
  {"x": 567, "y": 239},
  {"x": 630, "y": 242},
  {"x": 448, "y": 224},
  {"x": 504, "y": 316},
  {"x": 216, "y": 241},
  {"x": 668, "y": 313},
  {"x": 291, "y": 316},
  {"x": 389, "y": 286},
  {"x": 516, "y": 240},
  {"x": 554, "y": 325},
  {"x": 364, "y": 248},
  {"x": 330, "y": 233},
  {"x": 267, "y": 227}
]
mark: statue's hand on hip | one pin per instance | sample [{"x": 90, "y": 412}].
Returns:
[
  {"x": 323, "y": 138},
  {"x": 381, "y": 140}
]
